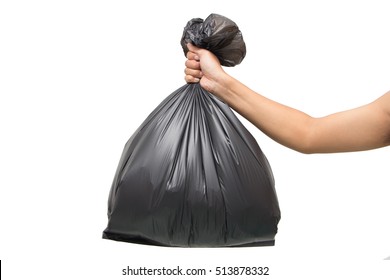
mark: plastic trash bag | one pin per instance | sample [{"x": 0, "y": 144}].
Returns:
[{"x": 192, "y": 175}]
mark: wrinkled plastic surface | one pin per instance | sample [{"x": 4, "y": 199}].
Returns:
[
  {"x": 217, "y": 34},
  {"x": 193, "y": 176}
]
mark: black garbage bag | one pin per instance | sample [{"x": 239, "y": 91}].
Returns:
[{"x": 192, "y": 175}]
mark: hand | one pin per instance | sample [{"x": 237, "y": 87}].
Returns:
[
  {"x": 204, "y": 67},
  {"x": 192, "y": 70}
]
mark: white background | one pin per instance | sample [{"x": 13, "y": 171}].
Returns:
[{"x": 78, "y": 77}]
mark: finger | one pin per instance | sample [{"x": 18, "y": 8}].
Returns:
[
  {"x": 192, "y": 64},
  {"x": 192, "y": 56},
  {"x": 195, "y": 73},
  {"x": 191, "y": 79}
]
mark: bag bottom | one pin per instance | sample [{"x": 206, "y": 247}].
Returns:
[{"x": 146, "y": 241}]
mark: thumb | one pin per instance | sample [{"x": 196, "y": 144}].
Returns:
[{"x": 194, "y": 49}]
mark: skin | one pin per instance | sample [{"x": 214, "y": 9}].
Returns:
[{"x": 363, "y": 128}]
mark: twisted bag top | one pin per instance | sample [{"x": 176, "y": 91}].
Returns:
[
  {"x": 217, "y": 34},
  {"x": 192, "y": 175}
]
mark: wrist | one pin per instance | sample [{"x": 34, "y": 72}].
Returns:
[
  {"x": 226, "y": 89},
  {"x": 221, "y": 85}
]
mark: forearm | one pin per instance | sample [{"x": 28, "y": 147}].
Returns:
[
  {"x": 363, "y": 128},
  {"x": 287, "y": 126}
]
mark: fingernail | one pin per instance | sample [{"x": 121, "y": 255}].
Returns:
[{"x": 196, "y": 57}]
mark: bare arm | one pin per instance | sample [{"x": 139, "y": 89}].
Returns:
[{"x": 362, "y": 128}]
